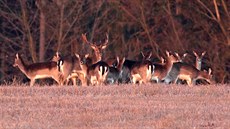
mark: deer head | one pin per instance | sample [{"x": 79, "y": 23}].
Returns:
[
  {"x": 199, "y": 59},
  {"x": 98, "y": 48},
  {"x": 181, "y": 58}
]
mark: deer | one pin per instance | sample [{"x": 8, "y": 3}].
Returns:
[
  {"x": 40, "y": 70},
  {"x": 128, "y": 65},
  {"x": 141, "y": 72},
  {"x": 70, "y": 67},
  {"x": 98, "y": 48},
  {"x": 189, "y": 73},
  {"x": 199, "y": 59},
  {"x": 94, "y": 74},
  {"x": 161, "y": 70},
  {"x": 115, "y": 72}
]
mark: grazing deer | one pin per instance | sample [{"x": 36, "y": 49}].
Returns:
[
  {"x": 199, "y": 59},
  {"x": 40, "y": 70},
  {"x": 98, "y": 48},
  {"x": 115, "y": 72},
  {"x": 161, "y": 70},
  {"x": 187, "y": 72},
  {"x": 142, "y": 72},
  {"x": 94, "y": 74}
]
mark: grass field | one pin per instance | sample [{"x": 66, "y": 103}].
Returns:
[{"x": 122, "y": 106}]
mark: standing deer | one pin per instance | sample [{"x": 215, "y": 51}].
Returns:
[
  {"x": 94, "y": 74},
  {"x": 98, "y": 48},
  {"x": 128, "y": 65},
  {"x": 70, "y": 67},
  {"x": 115, "y": 72},
  {"x": 162, "y": 70},
  {"x": 142, "y": 72},
  {"x": 199, "y": 59},
  {"x": 187, "y": 72},
  {"x": 40, "y": 70}
]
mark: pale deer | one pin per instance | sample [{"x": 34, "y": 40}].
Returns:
[
  {"x": 187, "y": 72},
  {"x": 161, "y": 70},
  {"x": 98, "y": 48},
  {"x": 142, "y": 72},
  {"x": 95, "y": 74},
  {"x": 115, "y": 72},
  {"x": 199, "y": 59},
  {"x": 40, "y": 70}
]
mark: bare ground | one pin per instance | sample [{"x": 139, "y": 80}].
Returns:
[{"x": 123, "y": 106}]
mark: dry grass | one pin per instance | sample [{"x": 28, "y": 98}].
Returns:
[{"x": 123, "y": 106}]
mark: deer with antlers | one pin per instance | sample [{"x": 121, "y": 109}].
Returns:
[{"x": 98, "y": 48}]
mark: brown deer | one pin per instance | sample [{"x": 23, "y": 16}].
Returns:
[
  {"x": 141, "y": 72},
  {"x": 199, "y": 59},
  {"x": 98, "y": 48},
  {"x": 95, "y": 74},
  {"x": 161, "y": 70},
  {"x": 70, "y": 67},
  {"x": 187, "y": 72},
  {"x": 128, "y": 65},
  {"x": 40, "y": 70}
]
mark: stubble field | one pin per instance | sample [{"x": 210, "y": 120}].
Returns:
[{"x": 117, "y": 106}]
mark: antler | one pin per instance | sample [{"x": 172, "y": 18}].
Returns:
[{"x": 84, "y": 38}]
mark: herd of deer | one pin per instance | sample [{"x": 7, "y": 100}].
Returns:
[{"x": 95, "y": 71}]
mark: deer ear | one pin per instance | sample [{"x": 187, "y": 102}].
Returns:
[
  {"x": 118, "y": 60},
  {"x": 167, "y": 53},
  {"x": 86, "y": 55},
  {"x": 17, "y": 56},
  {"x": 123, "y": 60},
  {"x": 195, "y": 53},
  {"x": 77, "y": 55},
  {"x": 203, "y": 53},
  {"x": 209, "y": 71},
  {"x": 93, "y": 46},
  {"x": 162, "y": 60},
  {"x": 57, "y": 54},
  {"x": 177, "y": 55},
  {"x": 104, "y": 46}
]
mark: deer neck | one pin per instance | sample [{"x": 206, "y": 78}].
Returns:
[
  {"x": 168, "y": 64},
  {"x": 98, "y": 56},
  {"x": 198, "y": 64},
  {"x": 23, "y": 67}
]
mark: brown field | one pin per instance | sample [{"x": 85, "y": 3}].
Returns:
[{"x": 122, "y": 106}]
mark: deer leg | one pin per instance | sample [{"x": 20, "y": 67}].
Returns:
[
  {"x": 32, "y": 81},
  {"x": 189, "y": 82}
]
